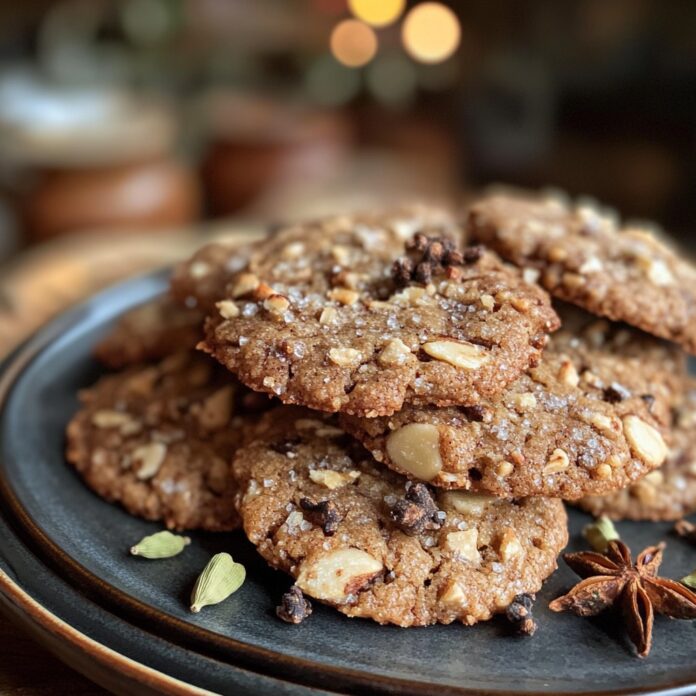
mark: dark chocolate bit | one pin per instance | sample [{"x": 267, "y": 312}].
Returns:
[
  {"x": 519, "y": 614},
  {"x": 616, "y": 392},
  {"x": 325, "y": 514},
  {"x": 417, "y": 511},
  {"x": 426, "y": 257},
  {"x": 294, "y": 607},
  {"x": 473, "y": 254}
]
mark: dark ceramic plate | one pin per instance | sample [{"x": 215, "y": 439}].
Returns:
[{"x": 66, "y": 575}]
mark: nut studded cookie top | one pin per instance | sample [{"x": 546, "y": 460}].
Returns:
[
  {"x": 159, "y": 440},
  {"x": 372, "y": 544},
  {"x": 587, "y": 420},
  {"x": 338, "y": 316},
  {"x": 583, "y": 257}
]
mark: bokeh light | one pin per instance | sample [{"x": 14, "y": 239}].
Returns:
[
  {"x": 431, "y": 32},
  {"x": 353, "y": 43},
  {"x": 378, "y": 13},
  {"x": 392, "y": 79},
  {"x": 329, "y": 83}
]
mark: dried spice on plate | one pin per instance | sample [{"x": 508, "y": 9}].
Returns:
[{"x": 612, "y": 579}]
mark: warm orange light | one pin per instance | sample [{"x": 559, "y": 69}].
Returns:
[
  {"x": 431, "y": 32},
  {"x": 378, "y": 13},
  {"x": 353, "y": 43}
]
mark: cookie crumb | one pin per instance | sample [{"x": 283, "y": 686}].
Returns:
[
  {"x": 294, "y": 607},
  {"x": 519, "y": 614}
]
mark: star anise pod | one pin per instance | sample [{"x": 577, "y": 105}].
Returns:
[{"x": 613, "y": 580}]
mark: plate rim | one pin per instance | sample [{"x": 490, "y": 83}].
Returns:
[{"x": 297, "y": 671}]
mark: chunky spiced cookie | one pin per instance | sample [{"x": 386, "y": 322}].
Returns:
[
  {"x": 584, "y": 257},
  {"x": 372, "y": 544},
  {"x": 669, "y": 493},
  {"x": 588, "y": 419},
  {"x": 159, "y": 440},
  {"x": 150, "y": 332},
  {"x": 336, "y": 316}
]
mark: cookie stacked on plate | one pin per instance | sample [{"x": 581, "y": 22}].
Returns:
[{"x": 425, "y": 412}]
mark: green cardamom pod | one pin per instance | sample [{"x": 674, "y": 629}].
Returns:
[
  {"x": 219, "y": 579},
  {"x": 160, "y": 545},
  {"x": 600, "y": 533},
  {"x": 690, "y": 580}
]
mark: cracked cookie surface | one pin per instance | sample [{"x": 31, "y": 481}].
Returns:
[
  {"x": 372, "y": 544},
  {"x": 668, "y": 493},
  {"x": 334, "y": 316},
  {"x": 149, "y": 332},
  {"x": 590, "y": 418},
  {"x": 584, "y": 257},
  {"x": 158, "y": 439}
]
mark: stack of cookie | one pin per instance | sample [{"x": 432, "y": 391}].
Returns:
[{"x": 425, "y": 416}]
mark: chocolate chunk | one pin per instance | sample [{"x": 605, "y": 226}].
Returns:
[
  {"x": 325, "y": 514},
  {"x": 294, "y": 607}
]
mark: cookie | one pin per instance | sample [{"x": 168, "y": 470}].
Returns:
[
  {"x": 200, "y": 281},
  {"x": 149, "y": 332},
  {"x": 333, "y": 316},
  {"x": 587, "y": 420},
  {"x": 584, "y": 257},
  {"x": 159, "y": 440},
  {"x": 372, "y": 544},
  {"x": 669, "y": 493}
]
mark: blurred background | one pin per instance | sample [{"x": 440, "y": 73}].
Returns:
[{"x": 133, "y": 130}]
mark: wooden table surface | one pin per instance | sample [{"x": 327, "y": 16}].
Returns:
[{"x": 26, "y": 669}]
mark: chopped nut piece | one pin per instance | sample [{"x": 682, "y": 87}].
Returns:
[
  {"x": 605, "y": 424},
  {"x": 328, "y": 315},
  {"x": 557, "y": 254},
  {"x": 645, "y": 442},
  {"x": 558, "y": 461},
  {"x": 345, "y": 357},
  {"x": 568, "y": 374},
  {"x": 415, "y": 448},
  {"x": 343, "y": 296},
  {"x": 467, "y": 503},
  {"x": 395, "y": 352},
  {"x": 459, "y": 354},
  {"x": 603, "y": 471},
  {"x": 111, "y": 419},
  {"x": 333, "y": 479},
  {"x": 227, "y": 309},
  {"x": 504, "y": 468},
  {"x": 151, "y": 458},
  {"x": 464, "y": 544},
  {"x": 263, "y": 291},
  {"x": 524, "y": 402},
  {"x": 294, "y": 607},
  {"x": 530, "y": 275},
  {"x": 334, "y": 576},
  {"x": 509, "y": 546},
  {"x": 453, "y": 595},
  {"x": 245, "y": 284},
  {"x": 276, "y": 304},
  {"x": 487, "y": 301}
]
